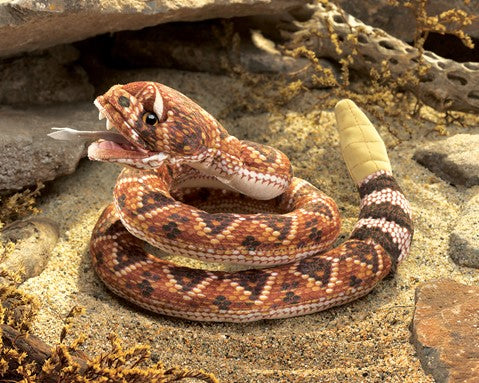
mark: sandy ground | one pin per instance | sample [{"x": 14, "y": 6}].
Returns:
[{"x": 365, "y": 341}]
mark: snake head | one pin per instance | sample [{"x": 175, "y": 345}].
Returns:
[{"x": 159, "y": 123}]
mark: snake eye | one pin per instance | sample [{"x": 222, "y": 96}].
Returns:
[{"x": 150, "y": 118}]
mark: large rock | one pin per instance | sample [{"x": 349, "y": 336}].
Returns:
[
  {"x": 445, "y": 331},
  {"x": 464, "y": 240},
  {"x": 455, "y": 159},
  {"x": 34, "y": 241},
  {"x": 28, "y": 155},
  {"x": 27, "y": 25},
  {"x": 44, "y": 77},
  {"x": 196, "y": 47},
  {"x": 400, "y": 21}
]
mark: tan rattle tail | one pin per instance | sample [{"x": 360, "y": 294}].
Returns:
[
  {"x": 363, "y": 149},
  {"x": 385, "y": 215}
]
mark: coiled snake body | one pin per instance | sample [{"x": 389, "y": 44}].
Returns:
[{"x": 179, "y": 156}]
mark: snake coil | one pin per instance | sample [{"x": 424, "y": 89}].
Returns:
[{"x": 184, "y": 171}]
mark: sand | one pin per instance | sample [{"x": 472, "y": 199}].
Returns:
[{"x": 364, "y": 341}]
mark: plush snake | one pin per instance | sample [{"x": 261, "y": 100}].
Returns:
[{"x": 190, "y": 188}]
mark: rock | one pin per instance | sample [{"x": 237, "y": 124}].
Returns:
[
  {"x": 455, "y": 159},
  {"x": 399, "y": 21},
  {"x": 28, "y": 155},
  {"x": 464, "y": 240},
  {"x": 445, "y": 331},
  {"x": 184, "y": 46},
  {"x": 44, "y": 77},
  {"x": 27, "y": 25},
  {"x": 34, "y": 241},
  {"x": 196, "y": 47}
]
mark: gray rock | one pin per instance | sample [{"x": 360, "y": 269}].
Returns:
[
  {"x": 27, "y": 25},
  {"x": 464, "y": 240},
  {"x": 455, "y": 159},
  {"x": 196, "y": 47},
  {"x": 399, "y": 21},
  {"x": 34, "y": 241},
  {"x": 44, "y": 77},
  {"x": 28, "y": 155},
  {"x": 445, "y": 331}
]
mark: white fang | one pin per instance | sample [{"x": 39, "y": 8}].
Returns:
[{"x": 158, "y": 105}]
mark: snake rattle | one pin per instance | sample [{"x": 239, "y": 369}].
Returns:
[{"x": 184, "y": 170}]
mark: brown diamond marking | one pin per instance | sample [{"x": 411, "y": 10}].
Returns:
[
  {"x": 252, "y": 281},
  {"x": 187, "y": 279},
  {"x": 317, "y": 268}
]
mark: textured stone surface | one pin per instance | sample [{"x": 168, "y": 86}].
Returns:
[
  {"x": 464, "y": 240},
  {"x": 400, "y": 21},
  {"x": 34, "y": 241},
  {"x": 44, "y": 77},
  {"x": 27, "y": 25},
  {"x": 28, "y": 155},
  {"x": 455, "y": 159},
  {"x": 197, "y": 47},
  {"x": 445, "y": 331}
]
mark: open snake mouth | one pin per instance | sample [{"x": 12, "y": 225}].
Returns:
[{"x": 112, "y": 146}]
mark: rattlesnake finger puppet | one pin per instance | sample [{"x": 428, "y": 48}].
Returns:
[{"x": 184, "y": 171}]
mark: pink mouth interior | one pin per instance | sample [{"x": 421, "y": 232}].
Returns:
[
  {"x": 110, "y": 150},
  {"x": 110, "y": 145}
]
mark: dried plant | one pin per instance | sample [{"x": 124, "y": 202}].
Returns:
[
  {"x": 25, "y": 358},
  {"x": 19, "y": 205}
]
